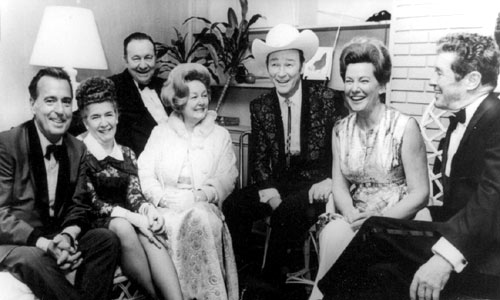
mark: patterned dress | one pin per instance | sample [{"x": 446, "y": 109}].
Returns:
[
  {"x": 113, "y": 182},
  {"x": 371, "y": 160},
  {"x": 172, "y": 165}
]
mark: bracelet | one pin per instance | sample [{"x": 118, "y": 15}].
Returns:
[{"x": 71, "y": 238}]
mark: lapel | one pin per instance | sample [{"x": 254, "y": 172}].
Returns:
[
  {"x": 278, "y": 122},
  {"x": 305, "y": 120},
  {"x": 63, "y": 179},
  {"x": 136, "y": 98},
  {"x": 39, "y": 174},
  {"x": 481, "y": 110}
]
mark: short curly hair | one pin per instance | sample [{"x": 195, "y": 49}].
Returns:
[
  {"x": 474, "y": 52},
  {"x": 175, "y": 91},
  {"x": 95, "y": 90},
  {"x": 367, "y": 50}
]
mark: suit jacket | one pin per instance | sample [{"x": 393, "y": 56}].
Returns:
[
  {"x": 321, "y": 108},
  {"x": 135, "y": 122},
  {"x": 23, "y": 189},
  {"x": 472, "y": 191}
]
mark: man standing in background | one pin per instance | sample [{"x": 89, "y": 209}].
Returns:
[{"x": 138, "y": 89}]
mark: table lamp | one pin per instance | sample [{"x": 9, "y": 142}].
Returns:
[{"x": 68, "y": 38}]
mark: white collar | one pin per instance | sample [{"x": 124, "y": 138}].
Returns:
[
  {"x": 295, "y": 99},
  {"x": 44, "y": 142},
  {"x": 98, "y": 151}
]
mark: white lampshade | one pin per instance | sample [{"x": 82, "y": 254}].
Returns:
[{"x": 68, "y": 37}]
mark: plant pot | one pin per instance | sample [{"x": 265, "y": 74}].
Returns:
[{"x": 241, "y": 73}]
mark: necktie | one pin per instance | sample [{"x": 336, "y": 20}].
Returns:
[
  {"x": 289, "y": 132},
  {"x": 56, "y": 150},
  {"x": 459, "y": 117}
]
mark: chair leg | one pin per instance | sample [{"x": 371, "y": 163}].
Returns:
[{"x": 266, "y": 246}]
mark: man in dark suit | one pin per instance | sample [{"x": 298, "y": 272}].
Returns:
[
  {"x": 44, "y": 206},
  {"x": 138, "y": 92},
  {"x": 459, "y": 251},
  {"x": 290, "y": 149}
]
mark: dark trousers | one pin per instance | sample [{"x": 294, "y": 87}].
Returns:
[
  {"x": 381, "y": 260},
  {"x": 94, "y": 278},
  {"x": 289, "y": 222}
]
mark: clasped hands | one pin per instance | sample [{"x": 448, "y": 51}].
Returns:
[{"x": 67, "y": 256}]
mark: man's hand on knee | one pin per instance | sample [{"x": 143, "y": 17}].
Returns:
[
  {"x": 430, "y": 279},
  {"x": 320, "y": 191}
]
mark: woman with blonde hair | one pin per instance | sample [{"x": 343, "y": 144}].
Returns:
[{"x": 187, "y": 169}]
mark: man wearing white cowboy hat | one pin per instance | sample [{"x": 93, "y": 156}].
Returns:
[{"x": 290, "y": 148}]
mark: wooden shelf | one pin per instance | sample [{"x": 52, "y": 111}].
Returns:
[
  {"x": 361, "y": 25},
  {"x": 259, "y": 84}
]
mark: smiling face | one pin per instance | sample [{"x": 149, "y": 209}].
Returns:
[
  {"x": 100, "y": 120},
  {"x": 52, "y": 107},
  {"x": 141, "y": 60},
  {"x": 448, "y": 91},
  {"x": 196, "y": 107},
  {"x": 284, "y": 69},
  {"x": 362, "y": 90}
]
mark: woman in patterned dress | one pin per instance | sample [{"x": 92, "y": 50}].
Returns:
[
  {"x": 379, "y": 158},
  {"x": 118, "y": 203},
  {"x": 188, "y": 169}
]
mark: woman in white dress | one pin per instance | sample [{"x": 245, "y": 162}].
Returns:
[
  {"x": 379, "y": 158},
  {"x": 187, "y": 169}
]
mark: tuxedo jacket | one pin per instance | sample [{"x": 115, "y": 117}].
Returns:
[
  {"x": 24, "y": 204},
  {"x": 135, "y": 123},
  {"x": 471, "y": 203},
  {"x": 321, "y": 108}
]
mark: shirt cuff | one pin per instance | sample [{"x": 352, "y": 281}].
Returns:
[
  {"x": 446, "y": 250},
  {"x": 42, "y": 243},
  {"x": 266, "y": 194},
  {"x": 119, "y": 212}
]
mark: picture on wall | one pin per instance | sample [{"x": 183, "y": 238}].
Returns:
[{"x": 320, "y": 66}]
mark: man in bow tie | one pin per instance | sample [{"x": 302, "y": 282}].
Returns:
[
  {"x": 458, "y": 253},
  {"x": 138, "y": 93},
  {"x": 44, "y": 203}
]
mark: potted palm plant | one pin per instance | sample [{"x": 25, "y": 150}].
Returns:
[
  {"x": 230, "y": 43},
  {"x": 181, "y": 50}
]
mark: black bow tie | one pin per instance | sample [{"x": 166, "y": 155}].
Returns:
[
  {"x": 143, "y": 86},
  {"x": 57, "y": 150},
  {"x": 458, "y": 117}
]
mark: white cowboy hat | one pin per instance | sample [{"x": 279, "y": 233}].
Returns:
[{"x": 284, "y": 37}]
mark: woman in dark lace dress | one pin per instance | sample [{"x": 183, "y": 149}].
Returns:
[{"x": 118, "y": 203}]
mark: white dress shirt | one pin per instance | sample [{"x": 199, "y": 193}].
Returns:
[
  {"x": 51, "y": 168},
  {"x": 153, "y": 104},
  {"x": 296, "y": 105},
  {"x": 443, "y": 247}
]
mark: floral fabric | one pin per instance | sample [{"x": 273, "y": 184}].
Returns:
[
  {"x": 371, "y": 160},
  {"x": 200, "y": 243},
  {"x": 113, "y": 182}
]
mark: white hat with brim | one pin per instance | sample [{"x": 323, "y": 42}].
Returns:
[{"x": 285, "y": 37}]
